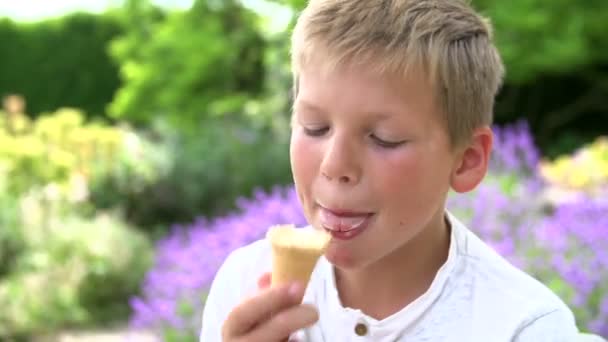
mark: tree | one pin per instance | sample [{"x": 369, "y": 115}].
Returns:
[{"x": 187, "y": 65}]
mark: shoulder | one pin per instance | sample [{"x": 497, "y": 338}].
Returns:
[
  {"x": 556, "y": 325},
  {"x": 504, "y": 295}
]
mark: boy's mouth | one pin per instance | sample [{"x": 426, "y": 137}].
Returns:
[{"x": 344, "y": 224}]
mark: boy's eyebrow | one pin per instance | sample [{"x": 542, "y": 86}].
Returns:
[
  {"x": 380, "y": 115},
  {"x": 309, "y": 106}
]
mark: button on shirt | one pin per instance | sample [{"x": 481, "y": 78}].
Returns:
[
  {"x": 475, "y": 296},
  {"x": 361, "y": 329}
]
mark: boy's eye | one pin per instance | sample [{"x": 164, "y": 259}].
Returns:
[
  {"x": 315, "y": 132},
  {"x": 385, "y": 143}
]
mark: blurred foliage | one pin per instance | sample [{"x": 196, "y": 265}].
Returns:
[
  {"x": 213, "y": 123},
  {"x": 187, "y": 65},
  {"x": 53, "y": 239},
  {"x": 73, "y": 271},
  {"x": 207, "y": 172},
  {"x": 10, "y": 234},
  {"x": 60, "y": 62},
  {"x": 61, "y": 148},
  {"x": 540, "y": 37}
]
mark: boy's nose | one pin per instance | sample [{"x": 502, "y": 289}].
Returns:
[
  {"x": 341, "y": 179},
  {"x": 340, "y": 162}
]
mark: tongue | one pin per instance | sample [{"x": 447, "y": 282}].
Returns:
[{"x": 341, "y": 223}]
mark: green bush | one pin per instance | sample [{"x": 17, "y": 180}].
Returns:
[
  {"x": 142, "y": 163},
  {"x": 62, "y": 260},
  {"x": 54, "y": 148},
  {"x": 185, "y": 66},
  {"x": 227, "y": 158},
  {"x": 68, "y": 57},
  {"x": 74, "y": 271},
  {"x": 64, "y": 150},
  {"x": 10, "y": 236}
]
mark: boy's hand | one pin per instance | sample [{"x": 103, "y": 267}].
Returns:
[{"x": 269, "y": 316}]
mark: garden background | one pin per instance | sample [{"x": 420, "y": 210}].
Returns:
[{"x": 140, "y": 145}]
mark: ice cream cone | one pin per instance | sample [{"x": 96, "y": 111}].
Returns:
[{"x": 295, "y": 253}]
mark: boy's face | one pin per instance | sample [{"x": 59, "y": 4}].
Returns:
[{"x": 371, "y": 161}]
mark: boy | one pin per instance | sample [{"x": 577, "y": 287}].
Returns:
[{"x": 393, "y": 107}]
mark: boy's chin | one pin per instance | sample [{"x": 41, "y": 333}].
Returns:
[{"x": 344, "y": 258}]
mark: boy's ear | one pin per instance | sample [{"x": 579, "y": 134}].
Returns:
[{"x": 472, "y": 162}]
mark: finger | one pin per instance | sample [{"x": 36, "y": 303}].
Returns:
[
  {"x": 264, "y": 280},
  {"x": 258, "y": 308},
  {"x": 285, "y": 323}
]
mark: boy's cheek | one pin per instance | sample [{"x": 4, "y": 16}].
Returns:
[{"x": 304, "y": 155}]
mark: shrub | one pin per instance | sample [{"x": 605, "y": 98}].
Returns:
[
  {"x": 576, "y": 234},
  {"x": 207, "y": 173},
  {"x": 60, "y": 148},
  {"x": 72, "y": 272},
  {"x": 10, "y": 236},
  {"x": 62, "y": 261}
]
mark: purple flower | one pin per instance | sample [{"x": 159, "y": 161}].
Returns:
[
  {"x": 514, "y": 150},
  {"x": 577, "y": 235},
  {"x": 188, "y": 258}
]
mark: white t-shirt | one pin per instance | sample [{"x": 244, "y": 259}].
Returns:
[{"x": 476, "y": 296}]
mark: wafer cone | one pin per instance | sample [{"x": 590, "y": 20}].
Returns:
[{"x": 295, "y": 253}]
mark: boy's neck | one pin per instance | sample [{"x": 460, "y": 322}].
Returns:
[{"x": 399, "y": 278}]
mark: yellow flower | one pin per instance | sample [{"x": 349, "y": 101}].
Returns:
[{"x": 586, "y": 168}]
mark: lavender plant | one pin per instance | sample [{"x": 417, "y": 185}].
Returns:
[
  {"x": 576, "y": 236},
  {"x": 187, "y": 260}
]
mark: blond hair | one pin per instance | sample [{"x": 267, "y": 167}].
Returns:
[{"x": 447, "y": 38}]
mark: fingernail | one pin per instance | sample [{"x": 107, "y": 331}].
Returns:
[{"x": 294, "y": 289}]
